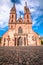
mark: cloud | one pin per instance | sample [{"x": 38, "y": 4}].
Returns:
[
  {"x": 4, "y": 12},
  {"x": 5, "y": 6}
]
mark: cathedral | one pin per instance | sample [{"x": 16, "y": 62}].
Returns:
[{"x": 20, "y": 31}]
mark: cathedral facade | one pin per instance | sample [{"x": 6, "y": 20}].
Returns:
[{"x": 20, "y": 31}]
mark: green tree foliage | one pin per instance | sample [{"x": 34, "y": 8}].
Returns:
[{"x": 42, "y": 42}]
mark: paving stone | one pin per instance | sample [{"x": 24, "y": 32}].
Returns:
[{"x": 21, "y": 55}]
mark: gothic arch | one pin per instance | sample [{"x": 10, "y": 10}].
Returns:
[{"x": 19, "y": 41}]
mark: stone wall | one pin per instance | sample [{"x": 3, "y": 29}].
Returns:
[{"x": 21, "y": 55}]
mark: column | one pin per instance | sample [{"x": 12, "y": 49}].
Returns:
[
  {"x": 15, "y": 41},
  {"x": 24, "y": 41}
]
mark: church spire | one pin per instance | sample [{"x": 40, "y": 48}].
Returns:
[
  {"x": 26, "y": 13},
  {"x": 13, "y": 10},
  {"x": 26, "y": 4},
  {"x": 13, "y": 16},
  {"x": 14, "y": 5}
]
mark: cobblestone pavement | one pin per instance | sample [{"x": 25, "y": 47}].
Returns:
[{"x": 21, "y": 55}]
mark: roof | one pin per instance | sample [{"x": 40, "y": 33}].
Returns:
[{"x": 41, "y": 37}]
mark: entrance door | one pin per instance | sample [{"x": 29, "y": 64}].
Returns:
[{"x": 19, "y": 43}]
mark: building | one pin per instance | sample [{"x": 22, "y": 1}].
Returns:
[{"x": 20, "y": 31}]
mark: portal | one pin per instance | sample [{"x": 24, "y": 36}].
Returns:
[{"x": 20, "y": 41}]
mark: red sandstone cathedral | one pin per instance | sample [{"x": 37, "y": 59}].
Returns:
[{"x": 20, "y": 31}]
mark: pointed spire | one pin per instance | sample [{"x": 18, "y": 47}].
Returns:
[
  {"x": 14, "y": 5},
  {"x": 26, "y": 4},
  {"x": 14, "y": 8}
]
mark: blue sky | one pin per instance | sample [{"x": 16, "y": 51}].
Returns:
[{"x": 36, "y": 9}]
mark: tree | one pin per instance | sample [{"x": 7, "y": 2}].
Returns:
[{"x": 42, "y": 42}]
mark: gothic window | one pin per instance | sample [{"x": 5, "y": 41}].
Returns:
[
  {"x": 27, "y": 20},
  {"x": 12, "y": 21},
  {"x": 27, "y": 16},
  {"x": 20, "y": 30},
  {"x": 12, "y": 16}
]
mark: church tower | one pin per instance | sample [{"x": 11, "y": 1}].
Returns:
[
  {"x": 27, "y": 18},
  {"x": 13, "y": 17}
]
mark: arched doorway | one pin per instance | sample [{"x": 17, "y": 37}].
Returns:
[{"x": 19, "y": 43}]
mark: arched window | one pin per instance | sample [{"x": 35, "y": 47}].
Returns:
[
  {"x": 20, "y": 30},
  {"x": 27, "y": 16},
  {"x": 27, "y": 20},
  {"x": 12, "y": 21},
  {"x": 12, "y": 16}
]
